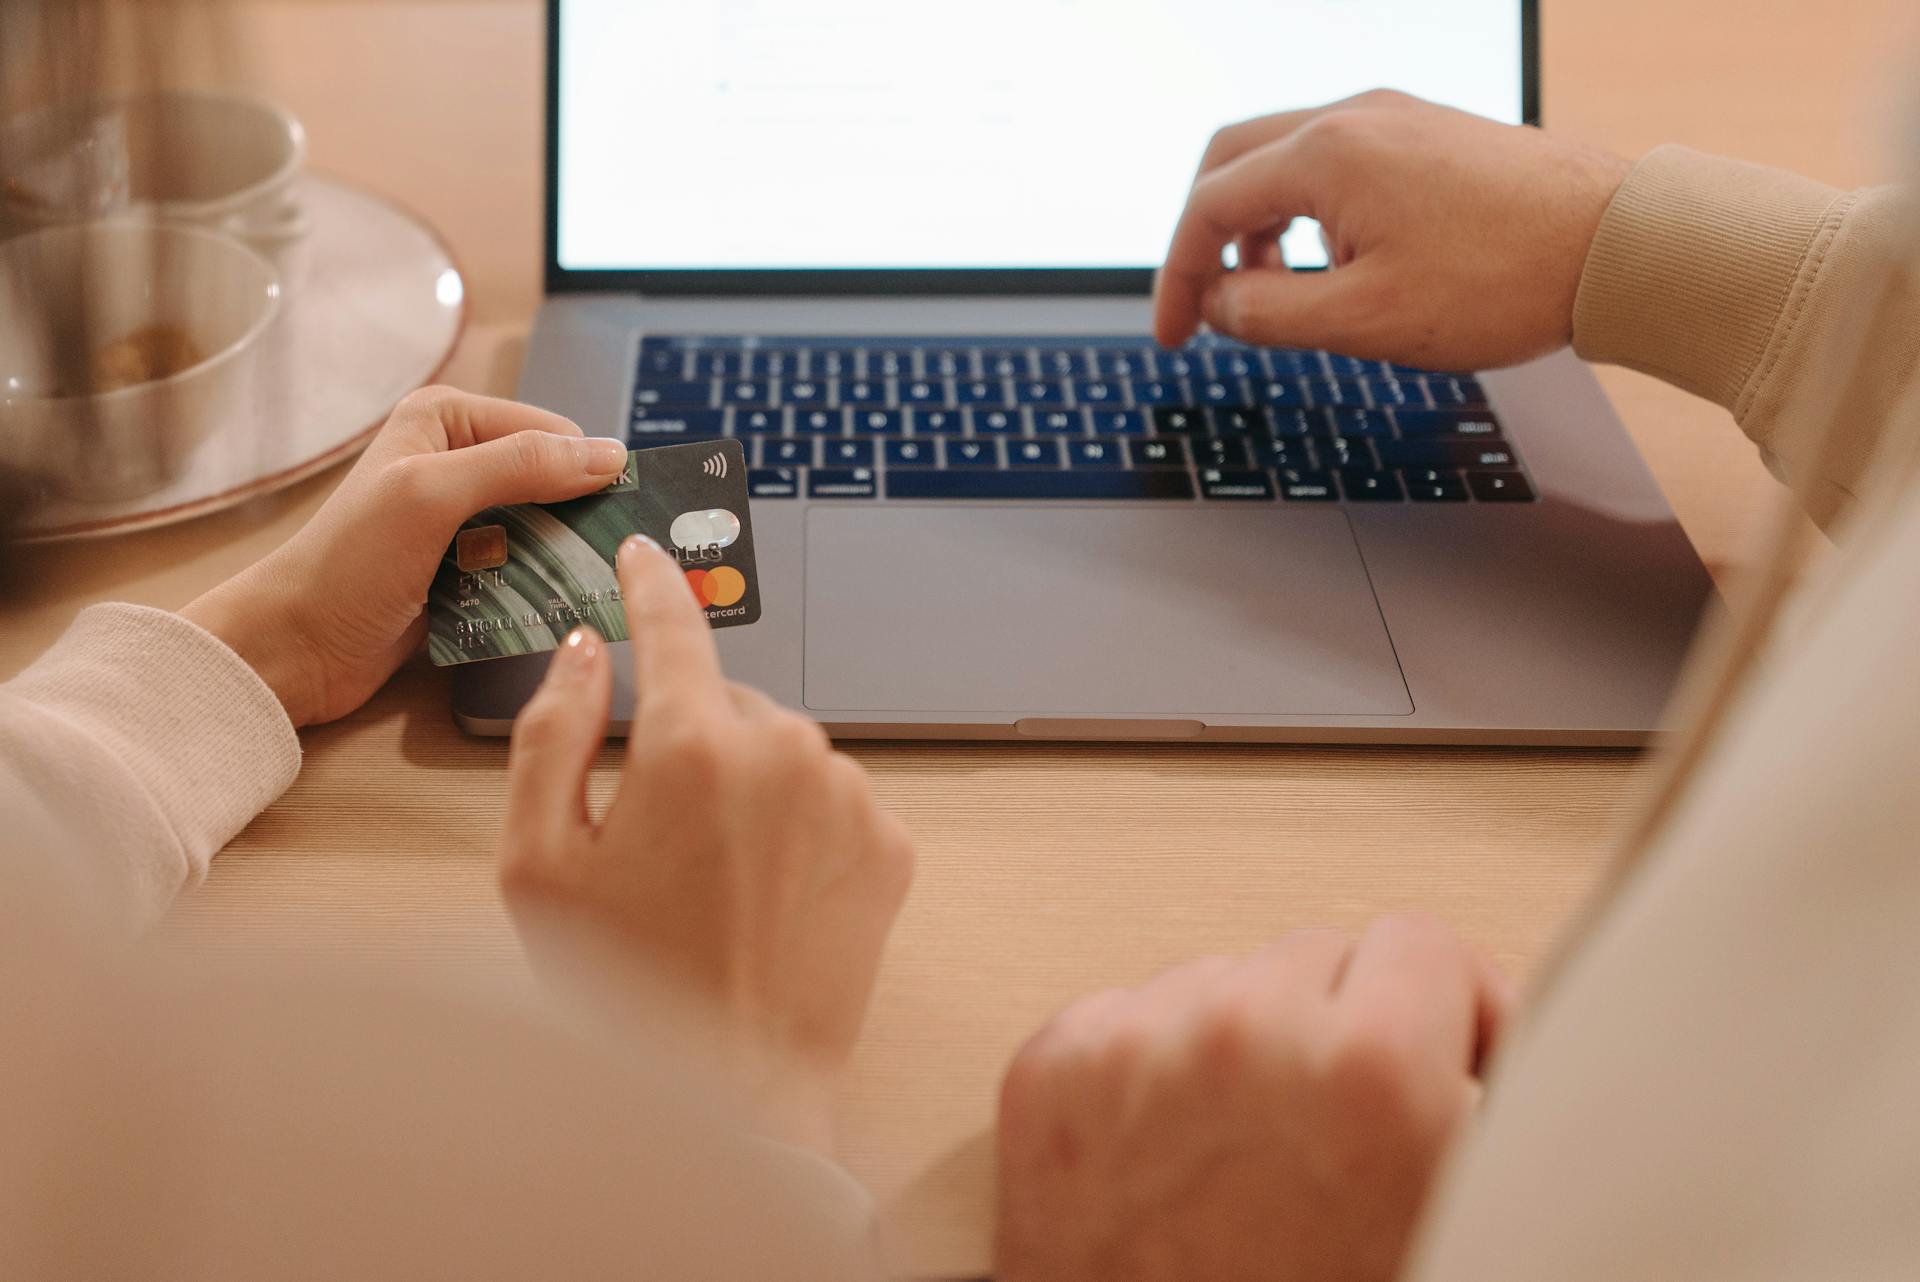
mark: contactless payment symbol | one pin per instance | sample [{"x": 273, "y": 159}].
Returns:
[{"x": 721, "y": 586}]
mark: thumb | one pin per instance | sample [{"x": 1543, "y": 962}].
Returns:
[
  {"x": 1275, "y": 307},
  {"x": 523, "y": 467}
]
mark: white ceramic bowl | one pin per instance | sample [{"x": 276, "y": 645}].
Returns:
[
  {"x": 223, "y": 161},
  {"x": 106, "y": 280}
]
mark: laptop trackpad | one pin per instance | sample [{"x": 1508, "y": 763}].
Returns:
[{"x": 1026, "y": 612}]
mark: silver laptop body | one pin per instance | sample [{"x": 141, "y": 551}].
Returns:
[{"x": 1523, "y": 582}]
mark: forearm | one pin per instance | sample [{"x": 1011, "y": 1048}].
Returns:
[
  {"x": 1789, "y": 303},
  {"x": 143, "y": 745}
]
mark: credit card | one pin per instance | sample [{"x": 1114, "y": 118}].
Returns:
[{"x": 517, "y": 580}]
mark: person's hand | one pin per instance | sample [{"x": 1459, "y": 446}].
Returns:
[
  {"x": 1458, "y": 243},
  {"x": 327, "y": 617},
  {"x": 743, "y": 861},
  {"x": 1279, "y": 1118}
]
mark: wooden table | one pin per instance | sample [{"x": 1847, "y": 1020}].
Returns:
[{"x": 1044, "y": 871}]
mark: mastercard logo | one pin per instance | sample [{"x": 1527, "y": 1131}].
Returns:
[{"x": 722, "y": 586}]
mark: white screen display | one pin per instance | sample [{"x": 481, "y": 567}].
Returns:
[{"x": 750, "y": 134}]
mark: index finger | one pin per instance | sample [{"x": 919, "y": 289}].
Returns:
[
  {"x": 674, "y": 660},
  {"x": 1415, "y": 976},
  {"x": 1234, "y": 141},
  {"x": 1261, "y": 190},
  {"x": 444, "y": 418}
]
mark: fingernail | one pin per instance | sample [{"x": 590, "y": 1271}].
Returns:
[
  {"x": 576, "y": 655},
  {"x": 600, "y": 456},
  {"x": 634, "y": 545}
]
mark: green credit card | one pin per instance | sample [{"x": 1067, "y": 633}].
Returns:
[{"x": 517, "y": 580}]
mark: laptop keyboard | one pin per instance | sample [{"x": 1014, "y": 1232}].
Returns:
[{"x": 1106, "y": 418}]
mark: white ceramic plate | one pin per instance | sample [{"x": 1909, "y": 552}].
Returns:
[{"x": 372, "y": 311}]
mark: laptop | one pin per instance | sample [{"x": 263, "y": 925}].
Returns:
[{"x": 904, "y": 255}]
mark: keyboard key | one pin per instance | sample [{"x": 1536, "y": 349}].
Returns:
[
  {"x": 1284, "y": 362},
  {"x": 1039, "y": 392},
  {"x": 947, "y": 364},
  {"x": 774, "y": 363},
  {"x": 719, "y": 364},
  {"x": 1121, "y": 363},
  {"x": 1346, "y": 452},
  {"x": 663, "y": 362},
  {"x": 1222, "y": 391},
  {"x": 1217, "y": 483},
  {"x": 1076, "y": 483},
  {"x": 832, "y": 362},
  {"x": 670, "y": 393},
  {"x": 1062, "y": 362},
  {"x": 912, "y": 454},
  {"x": 1283, "y": 454},
  {"x": 1353, "y": 421},
  {"x": 820, "y": 422},
  {"x": 803, "y": 391},
  {"x": 1119, "y": 423},
  {"x": 1394, "y": 392},
  {"x": 1235, "y": 363},
  {"x": 682, "y": 424},
  {"x": 861, "y": 392},
  {"x": 1282, "y": 393},
  {"x": 922, "y": 391},
  {"x": 937, "y": 422},
  {"x": 1060, "y": 422},
  {"x": 1177, "y": 365},
  {"x": 1222, "y": 452},
  {"x": 773, "y": 483},
  {"x": 1033, "y": 454},
  {"x": 971, "y": 454},
  {"x": 1097, "y": 393},
  {"x": 1237, "y": 420},
  {"x": 890, "y": 363},
  {"x": 1180, "y": 421},
  {"x": 1457, "y": 390},
  {"x": 1329, "y": 392},
  {"x": 748, "y": 422},
  {"x": 872, "y": 422},
  {"x": 995, "y": 422},
  {"x": 1006, "y": 362},
  {"x": 1293, "y": 424},
  {"x": 1370, "y": 487},
  {"x": 846, "y": 453},
  {"x": 842, "y": 483},
  {"x": 1157, "y": 452},
  {"x": 746, "y": 391},
  {"x": 1159, "y": 392},
  {"x": 1095, "y": 454},
  {"x": 1500, "y": 487},
  {"x": 981, "y": 391},
  {"x": 1444, "y": 423},
  {"x": 786, "y": 451},
  {"x": 1351, "y": 366},
  {"x": 1298, "y": 486},
  {"x": 1486, "y": 455},
  {"x": 1427, "y": 485}
]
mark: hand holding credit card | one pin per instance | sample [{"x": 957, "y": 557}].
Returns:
[{"x": 517, "y": 580}]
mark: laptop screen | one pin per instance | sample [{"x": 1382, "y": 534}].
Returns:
[{"x": 835, "y": 135}]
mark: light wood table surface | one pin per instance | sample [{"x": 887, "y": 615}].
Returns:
[{"x": 1044, "y": 871}]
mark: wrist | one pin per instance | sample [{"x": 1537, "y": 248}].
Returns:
[{"x": 249, "y": 620}]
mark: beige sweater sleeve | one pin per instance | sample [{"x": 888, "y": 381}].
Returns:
[
  {"x": 1789, "y": 303},
  {"x": 143, "y": 745}
]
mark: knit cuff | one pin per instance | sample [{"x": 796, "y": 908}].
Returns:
[
  {"x": 203, "y": 734},
  {"x": 1693, "y": 272}
]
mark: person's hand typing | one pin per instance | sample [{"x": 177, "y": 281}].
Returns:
[
  {"x": 743, "y": 861},
  {"x": 1279, "y": 1118},
  {"x": 327, "y": 617},
  {"x": 1458, "y": 243}
]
